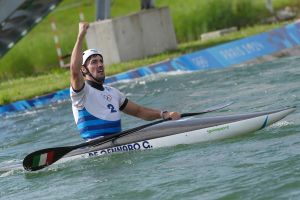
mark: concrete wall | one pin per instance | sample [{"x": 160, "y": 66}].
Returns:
[{"x": 135, "y": 36}]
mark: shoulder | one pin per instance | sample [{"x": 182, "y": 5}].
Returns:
[
  {"x": 111, "y": 89},
  {"x": 114, "y": 91},
  {"x": 85, "y": 87}
]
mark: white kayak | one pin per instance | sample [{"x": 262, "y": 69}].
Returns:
[{"x": 185, "y": 131}]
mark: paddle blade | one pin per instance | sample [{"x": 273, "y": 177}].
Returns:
[{"x": 43, "y": 158}]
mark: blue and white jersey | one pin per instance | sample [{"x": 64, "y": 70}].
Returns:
[{"x": 97, "y": 111}]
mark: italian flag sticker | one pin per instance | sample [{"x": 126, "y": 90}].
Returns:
[{"x": 43, "y": 159}]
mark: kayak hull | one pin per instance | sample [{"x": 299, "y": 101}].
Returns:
[{"x": 187, "y": 131}]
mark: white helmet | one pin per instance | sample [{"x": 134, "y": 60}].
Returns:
[{"x": 87, "y": 53}]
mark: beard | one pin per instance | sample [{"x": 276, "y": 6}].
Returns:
[{"x": 100, "y": 79}]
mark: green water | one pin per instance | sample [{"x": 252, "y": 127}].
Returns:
[{"x": 262, "y": 165}]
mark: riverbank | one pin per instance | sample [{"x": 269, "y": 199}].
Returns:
[{"x": 30, "y": 87}]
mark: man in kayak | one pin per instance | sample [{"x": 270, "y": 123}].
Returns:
[{"x": 96, "y": 107}]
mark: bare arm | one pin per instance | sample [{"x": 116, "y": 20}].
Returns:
[
  {"x": 77, "y": 79},
  {"x": 148, "y": 113}
]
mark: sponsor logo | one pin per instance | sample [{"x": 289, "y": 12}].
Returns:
[
  {"x": 123, "y": 148},
  {"x": 218, "y": 129}
]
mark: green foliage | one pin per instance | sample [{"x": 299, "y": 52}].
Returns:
[
  {"x": 26, "y": 88},
  {"x": 192, "y": 18}
]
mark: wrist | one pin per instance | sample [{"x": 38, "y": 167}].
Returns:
[{"x": 163, "y": 113}]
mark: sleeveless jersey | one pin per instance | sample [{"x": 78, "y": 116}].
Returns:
[{"x": 97, "y": 112}]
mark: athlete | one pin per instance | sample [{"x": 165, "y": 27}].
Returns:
[{"x": 96, "y": 107}]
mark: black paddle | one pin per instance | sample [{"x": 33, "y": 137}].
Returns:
[{"x": 45, "y": 157}]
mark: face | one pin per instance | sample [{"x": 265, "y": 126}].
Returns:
[{"x": 96, "y": 67}]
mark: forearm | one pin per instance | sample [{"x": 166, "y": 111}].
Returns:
[
  {"x": 76, "y": 58},
  {"x": 141, "y": 112},
  {"x": 148, "y": 113},
  {"x": 152, "y": 114}
]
